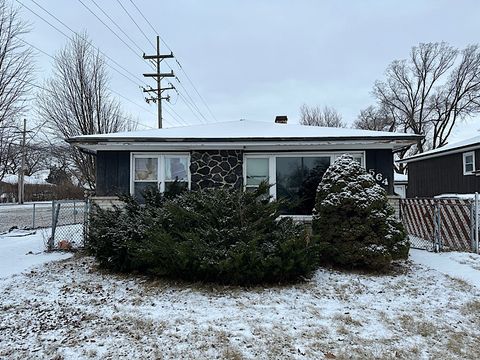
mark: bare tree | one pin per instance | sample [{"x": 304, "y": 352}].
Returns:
[
  {"x": 458, "y": 98},
  {"x": 426, "y": 94},
  {"x": 317, "y": 116},
  {"x": 15, "y": 63},
  {"x": 76, "y": 100},
  {"x": 372, "y": 118},
  {"x": 9, "y": 136},
  {"x": 410, "y": 85}
]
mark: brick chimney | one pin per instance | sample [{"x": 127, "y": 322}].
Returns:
[{"x": 281, "y": 119}]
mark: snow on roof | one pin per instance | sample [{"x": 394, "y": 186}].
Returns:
[
  {"x": 243, "y": 129},
  {"x": 474, "y": 141},
  {"x": 39, "y": 178},
  {"x": 400, "y": 177}
]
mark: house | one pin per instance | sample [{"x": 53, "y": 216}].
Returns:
[
  {"x": 400, "y": 182},
  {"x": 451, "y": 169},
  {"x": 239, "y": 154}
]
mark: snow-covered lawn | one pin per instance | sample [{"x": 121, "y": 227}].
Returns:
[
  {"x": 71, "y": 310},
  {"x": 23, "y": 249}
]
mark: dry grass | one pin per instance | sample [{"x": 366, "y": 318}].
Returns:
[{"x": 409, "y": 313}]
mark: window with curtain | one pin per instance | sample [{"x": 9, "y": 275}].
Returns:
[{"x": 159, "y": 171}]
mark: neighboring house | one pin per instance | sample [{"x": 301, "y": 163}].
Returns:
[
  {"x": 239, "y": 154},
  {"x": 451, "y": 169},
  {"x": 36, "y": 187},
  {"x": 400, "y": 182}
]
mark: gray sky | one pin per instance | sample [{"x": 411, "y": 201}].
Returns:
[{"x": 257, "y": 59}]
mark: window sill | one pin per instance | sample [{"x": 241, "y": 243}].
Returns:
[{"x": 299, "y": 218}]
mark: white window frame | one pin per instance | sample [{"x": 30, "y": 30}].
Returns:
[
  {"x": 160, "y": 156},
  {"x": 272, "y": 163},
  {"x": 464, "y": 156}
]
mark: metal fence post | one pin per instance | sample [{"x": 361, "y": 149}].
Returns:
[
  {"x": 437, "y": 229},
  {"x": 473, "y": 225},
  {"x": 476, "y": 223},
  {"x": 33, "y": 219},
  {"x": 74, "y": 213},
  {"x": 51, "y": 240}
]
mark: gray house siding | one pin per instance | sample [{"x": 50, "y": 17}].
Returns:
[
  {"x": 112, "y": 173},
  {"x": 441, "y": 175},
  {"x": 211, "y": 168},
  {"x": 381, "y": 162}
]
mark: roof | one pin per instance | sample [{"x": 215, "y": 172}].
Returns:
[
  {"x": 400, "y": 178},
  {"x": 460, "y": 146},
  {"x": 39, "y": 178},
  {"x": 242, "y": 131}
]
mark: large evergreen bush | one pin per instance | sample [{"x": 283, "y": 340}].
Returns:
[
  {"x": 220, "y": 235},
  {"x": 353, "y": 221}
]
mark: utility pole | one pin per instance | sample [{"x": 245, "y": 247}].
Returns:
[
  {"x": 158, "y": 76},
  {"x": 21, "y": 174}
]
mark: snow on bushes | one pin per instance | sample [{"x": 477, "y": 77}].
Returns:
[
  {"x": 219, "y": 235},
  {"x": 353, "y": 222}
]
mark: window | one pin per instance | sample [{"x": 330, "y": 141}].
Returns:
[
  {"x": 157, "y": 170},
  {"x": 295, "y": 177},
  {"x": 468, "y": 163},
  {"x": 176, "y": 169},
  {"x": 257, "y": 170}
]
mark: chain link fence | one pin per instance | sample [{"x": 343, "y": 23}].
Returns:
[
  {"x": 69, "y": 220},
  {"x": 26, "y": 216},
  {"x": 441, "y": 224}
]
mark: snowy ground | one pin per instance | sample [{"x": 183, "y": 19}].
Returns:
[
  {"x": 23, "y": 249},
  {"x": 71, "y": 310}
]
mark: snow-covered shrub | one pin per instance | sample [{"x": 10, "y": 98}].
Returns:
[
  {"x": 115, "y": 234},
  {"x": 221, "y": 235},
  {"x": 353, "y": 222}
]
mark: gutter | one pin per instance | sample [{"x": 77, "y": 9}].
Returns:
[
  {"x": 95, "y": 140},
  {"x": 426, "y": 156}
]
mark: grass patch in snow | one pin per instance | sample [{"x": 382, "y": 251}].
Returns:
[{"x": 72, "y": 310}]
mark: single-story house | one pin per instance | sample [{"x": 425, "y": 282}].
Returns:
[
  {"x": 239, "y": 154},
  {"x": 451, "y": 169},
  {"x": 400, "y": 184}
]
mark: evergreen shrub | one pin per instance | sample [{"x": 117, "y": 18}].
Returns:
[
  {"x": 353, "y": 222},
  {"x": 218, "y": 235}
]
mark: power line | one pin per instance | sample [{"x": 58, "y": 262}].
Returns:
[
  {"x": 196, "y": 90},
  {"x": 68, "y": 37},
  {"x": 191, "y": 99},
  {"x": 108, "y": 27},
  {"x": 76, "y": 33},
  {"x": 118, "y": 26},
  {"x": 176, "y": 60},
  {"x": 50, "y": 91},
  {"x": 138, "y": 27},
  {"x": 143, "y": 33}
]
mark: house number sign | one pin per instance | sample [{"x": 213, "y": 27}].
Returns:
[{"x": 379, "y": 177}]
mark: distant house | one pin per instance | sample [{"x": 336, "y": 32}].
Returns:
[
  {"x": 451, "y": 169},
  {"x": 36, "y": 187},
  {"x": 400, "y": 183},
  {"x": 241, "y": 154}
]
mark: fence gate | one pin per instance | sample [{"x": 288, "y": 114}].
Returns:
[
  {"x": 69, "y": 224},
  {"x": 441, "y": 224}
]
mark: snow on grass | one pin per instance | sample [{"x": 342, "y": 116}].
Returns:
[
  {"x": 72, "y": 310},
  {"x": 21, "y": 250},
  {"x": 459, "y": 265}
]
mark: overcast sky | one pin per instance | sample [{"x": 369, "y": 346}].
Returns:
[{"x": 255, "y": 59}]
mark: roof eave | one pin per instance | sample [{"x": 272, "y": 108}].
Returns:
[{"x": 426, "y": 156}]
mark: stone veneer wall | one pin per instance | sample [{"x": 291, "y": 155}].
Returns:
[{"x": 216, "y": 168}]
